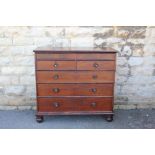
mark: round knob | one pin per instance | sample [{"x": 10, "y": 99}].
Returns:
[
  {"x": 56, "y": 76},
  {"x": 93, "y": 104},
  {"x": 55, "y": 104},
  {"x": 55, "y": 65},
  {"x": 56, "y": 90},
  {"x": 94, "y": 90},
  {"x": 96, "y": 65},
  {"x": 94, "y": 76}
]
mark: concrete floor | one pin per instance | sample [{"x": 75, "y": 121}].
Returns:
[{"x": 123, "y": 119}]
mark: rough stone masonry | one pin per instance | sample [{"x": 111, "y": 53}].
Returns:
[{"x": 135, "y": 76}]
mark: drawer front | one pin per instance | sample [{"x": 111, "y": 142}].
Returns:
[
  {"x": 74, "y": 104},
  {"x": 75, "y": 76},
  {"x": 62, "y": 56},
  {"x": 77, "y": 56},
  {"x": 96, "y": 56},
  {"x": 56, "y": 65},
  {"x": 75, "y": 89},
  {"x": 95, "y": 65}
]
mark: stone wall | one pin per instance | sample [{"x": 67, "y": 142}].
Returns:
[{"x": 135, "y": 76}]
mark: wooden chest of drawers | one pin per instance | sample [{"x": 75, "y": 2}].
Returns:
[{"x": 71, "y": 81}]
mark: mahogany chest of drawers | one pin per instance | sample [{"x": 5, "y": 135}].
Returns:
[{"x": 72, "y": 81}]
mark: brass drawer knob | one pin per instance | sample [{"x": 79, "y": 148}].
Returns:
[
  {"x": 94, "y": 90},
  {"x": 94, "y": 76},
  {"x": 93, "y": 104},
  {"x": 55, "y": 104},
  {"x": 55, "y": 65},
  {"x": 96, "y": 65},
  {"x": 56, "y": 76},
  {"x": 56, "y": 90}
]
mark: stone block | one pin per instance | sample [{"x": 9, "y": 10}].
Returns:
[
  {"x": 24, "y": 107},
  {"x": 136, "y": 61},
  {"x": 82, "y": 42},
  {"x": 30, "y": 90},
  {"x": 141, "y": 70},
  {"x": 43, "y": 41},
  {"x": 149, "y": 50},
  {"x": 138, "y": 52},
  {"x": 23, "y": 41},
  {"x": 120, "y": 79},
  {"x": 15, "y": 90},
  {"x": 27, "y": 80},
  {"x": 149, "y": 60},
  {"x": 122, "y": 70},
  {"x": 1, "y": 90},
  {"x": 4, "y": 107},
  {"x": 5, "y": 41},
  {"x": 128, "y": 106},
  {"x": 9, "y": 70},
  {"x": 5, "y": 60},
  {"x": 136, "y": 41},
  {"x": 99, "y": 41},
  {"x": 4, "y": 80},
  {"x": 121, "y": 61},
  {"x": 24, "y": 60},
  {"x": 139, "y": 79},
  {"x": 16, "y": 101},
  {"x": 62, "y": 42},
  {"x": 3, "y": 100},
  {"x": 126, "y": 51}
]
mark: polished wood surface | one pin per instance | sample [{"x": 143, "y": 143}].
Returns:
[
  {"x": 75, "y": 81},
  {"x": 56, "y": 65},
  {"x": 74, "y": 56},
  {"x": 75, "y": 89},
  {"x": 75, "y": 77},
  {"x": 50, "y": 49},
  {"x": 95, "y": 65},
  {"x": 75, "y": 104}
]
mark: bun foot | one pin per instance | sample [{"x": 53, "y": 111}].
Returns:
[
  {"x": 109, "y": 118},
  {"x": 39, "y": 119}
]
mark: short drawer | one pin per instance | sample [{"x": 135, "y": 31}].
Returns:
[
  {"x": 75, "y": 76},
  {"x": 59, "y": 56},
  {"x": 56, "y": 65},
  {"x": 96, "y": 56},
  {"x": 56, "y": 104},
  {"x": 95, "y": 65},
  {"x": 75, "y": 89}
]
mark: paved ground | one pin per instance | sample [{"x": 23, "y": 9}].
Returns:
[{"x": 123, "y": 119}]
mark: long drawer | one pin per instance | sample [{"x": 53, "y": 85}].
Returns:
[
  {"x": 75, "y": 89},
  {"x": 74, "y": 56},
  {"x": 74, "y": 104},
  {"x": 75, "y": 76}
]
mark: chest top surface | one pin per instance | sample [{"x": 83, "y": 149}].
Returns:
[{"x": 50, "y": 49}]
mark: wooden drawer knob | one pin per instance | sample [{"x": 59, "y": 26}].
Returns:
[
  {"x": 56, "y": 90},
  {"x": 94, "y": 76},
  {"x": 55, "y": 104},
  {"x": 96, "y": 65},
  {"x": 93, "y": 104},
  {"x": 94, "y": 90},
  {"x": 56, "y": 76},
  {"x": 55, "y": 65}
]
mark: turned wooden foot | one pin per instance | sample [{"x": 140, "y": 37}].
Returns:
[
  {"x": 109, "y": 118},
  {"x": 39, "y": 119}
]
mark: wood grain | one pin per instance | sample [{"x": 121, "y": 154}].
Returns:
[
  {"x": 56, "y": 65},
  {"x": 74, "y": 104},
  {"x": 75, "y": 89},
  {"x": 95, "y": 65},
  {"x": 75, "y": 76}
]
